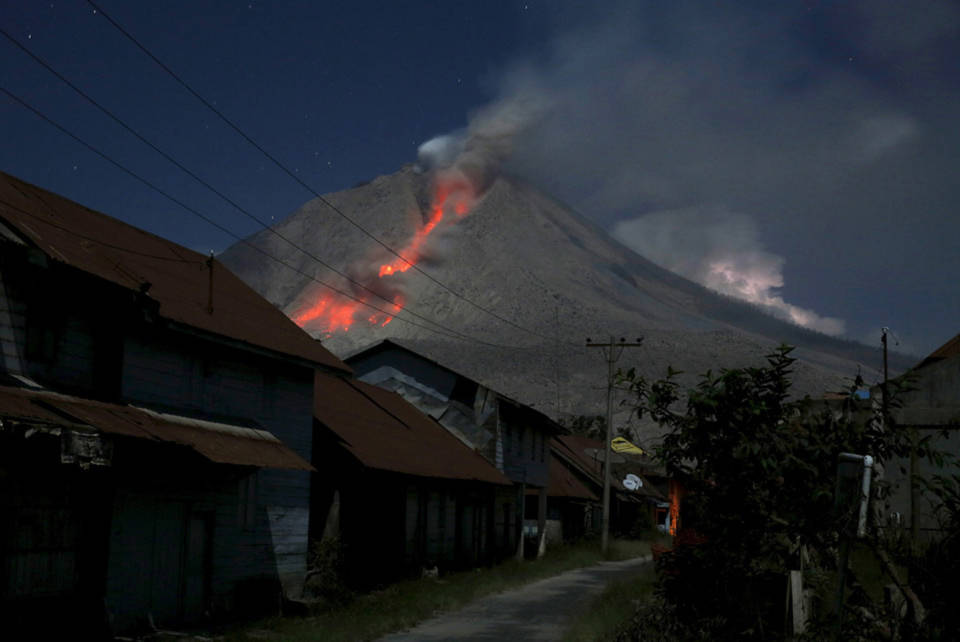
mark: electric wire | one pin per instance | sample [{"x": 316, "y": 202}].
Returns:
[
  {"x": 449, "y": 333},
  {"x": 207, "y": 185},
  {"x": 297, "y": 179},
  {"x": 112, "y": 246}
]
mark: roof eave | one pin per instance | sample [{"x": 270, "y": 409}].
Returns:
[{"x": 249, "y": 347}]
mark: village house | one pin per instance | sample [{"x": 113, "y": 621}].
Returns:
[
  {"x": 156, "y": 422},
  {"x": 573, "y": 509},
  {"x": 510, "y": 435},
  {"x": 401, "y": 493},
  {"x": 582, "y": 459},
  {"x": 929, "y": 407}
]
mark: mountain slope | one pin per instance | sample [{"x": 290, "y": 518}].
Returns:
[{"x": 535, "y": 262}]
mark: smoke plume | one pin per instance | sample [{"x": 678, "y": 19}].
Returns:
[
  {"x": 475, "y": 155},
  {"x": 722, "y": 251},
  {"x": 642, "y": 114}
]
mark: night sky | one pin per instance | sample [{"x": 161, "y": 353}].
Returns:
[{"x": 801, "y": 155}]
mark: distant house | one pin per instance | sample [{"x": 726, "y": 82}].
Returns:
[
  {"x": 573, "y": 509},
  {"x": 156, "y": 423},
  {"x": 583, "y": 458},
  {"x": 931, "y": 406},
  {"x": 509, "y": 434},
  {"x": 401, "y": 492}
]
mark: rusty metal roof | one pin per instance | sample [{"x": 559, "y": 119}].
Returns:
[
  {"x": 577, "y": 447},
  {"x": 949, "y": 349},
  {"x": 219, "y": 442},
  {"x": 175, "y": 277},
  {"x": 384, "y": 432},
  {"x": 561, "y": 482}
]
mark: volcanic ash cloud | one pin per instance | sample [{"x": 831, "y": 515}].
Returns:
[{"x": 722, "y": 251}]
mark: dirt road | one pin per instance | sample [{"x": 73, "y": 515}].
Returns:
[{"x": 537, "y": 611}]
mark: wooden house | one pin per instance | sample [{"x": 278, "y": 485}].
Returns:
[
  {"x": 401, "y": 492},
  {"x": 156, "y": 423},
  {"x": 509, "y": 434},
  {"x": 573, "y": 509},
  {"x": 929, "y": 407}
]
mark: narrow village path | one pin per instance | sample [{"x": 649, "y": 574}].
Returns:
[{"x": 537, "y": 611}]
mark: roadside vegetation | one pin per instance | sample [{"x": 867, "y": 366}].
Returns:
[
  {"x": 404, "y": 604},
  {"x": 763, "y": 498},
  {"x": 609, "y": 614}
]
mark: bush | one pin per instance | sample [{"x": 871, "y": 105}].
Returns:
[
  {"x": 325, "y": 581},
  {"x": 758, "y": 472},
  {"x": 642, "y": 526}
]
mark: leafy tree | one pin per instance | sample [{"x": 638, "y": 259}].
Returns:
[
  {"x": 592, "y": 426},
  {"x": 759, "y": 471}
]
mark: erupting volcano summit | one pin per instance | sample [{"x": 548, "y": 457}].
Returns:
[
  {"x": 376, "y": 296},
  {"x": 520, "y": 254}
]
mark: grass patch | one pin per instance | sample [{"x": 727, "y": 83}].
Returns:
[
  {"x": 627, "y": 549},
  {"x": 402, "y": 605},
  {"x": 610, "y": 612}
]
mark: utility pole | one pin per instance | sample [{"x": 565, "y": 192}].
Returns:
[
  {"x": 612, "y": 352},
  {"x": 911, "y": 485},
  {"x": 556, "y": 318}
]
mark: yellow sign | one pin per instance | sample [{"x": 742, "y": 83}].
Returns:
[{"x": 621, "y": 445}]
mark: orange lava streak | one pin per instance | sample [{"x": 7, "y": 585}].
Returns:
[
  {"x": 336, "y": 315},
  {"x": 332, "y": 313},
  {"x": 412, "y": 251},
  {"x": 675, "y": 493}
]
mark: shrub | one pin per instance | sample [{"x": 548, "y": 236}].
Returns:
[{"x": 324, "y": 581}]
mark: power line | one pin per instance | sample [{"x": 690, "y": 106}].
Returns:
[
  {"x": 297, "y": 179},
  {"x": 202, "y": 182},
  {"x": 119, "y": 248},
  {"x": 450, "y": 333}
]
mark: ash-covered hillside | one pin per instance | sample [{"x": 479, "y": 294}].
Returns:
[{"x": 530, "y": 261}]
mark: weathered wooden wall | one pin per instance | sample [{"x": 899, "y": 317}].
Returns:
[
  {"x": 79, "y": 335},
  {"x": 185, "y": 373}
]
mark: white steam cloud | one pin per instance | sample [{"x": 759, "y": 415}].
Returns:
[
  {"x": 477, "y": 154},
  {"x": 662, "y": 120},
  {"x": 722, "y": 251},
  {"x": 637, "y": 141}
]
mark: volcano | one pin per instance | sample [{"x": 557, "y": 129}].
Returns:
[{"x": 532, "y": 262}]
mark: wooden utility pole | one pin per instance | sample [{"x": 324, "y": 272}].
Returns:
[
  {"x": 210, "y": 284},
  {"x": 911, "y": 484},
  {"x": 612, "y": 352}
]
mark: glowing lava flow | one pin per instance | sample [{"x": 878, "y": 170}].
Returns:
[
  {"x": 675, "y": 493},
  {"x": 333, "y": 313}
]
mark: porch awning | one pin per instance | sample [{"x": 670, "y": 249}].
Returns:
[{"x": 220, "y": 443}]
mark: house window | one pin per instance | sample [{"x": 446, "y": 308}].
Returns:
[
  {"x": 247, "y": 502},
  {"x": 43, "y": 332},
  {"x": 509, "y": 438},
  {"x": 507, "y": 514}
]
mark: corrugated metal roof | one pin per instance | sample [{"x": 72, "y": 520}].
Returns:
[
  {"x": 178, "y": 278},
  {"x": 219, "y": 442},
  {"x": 385, "y": 344},
  {"x": 563, "y": 483},
  {"x": 949, "y": 349},
  {"x": 384, "y": 432},
  {"x": 577, "y": 447}
]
